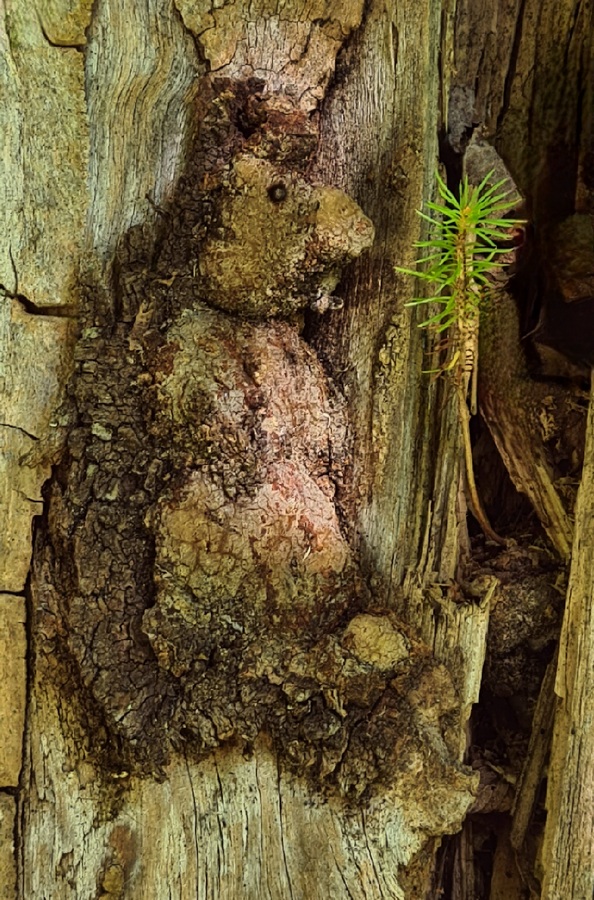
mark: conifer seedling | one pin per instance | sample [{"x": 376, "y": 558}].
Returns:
[{"x": 462, "y": 257}]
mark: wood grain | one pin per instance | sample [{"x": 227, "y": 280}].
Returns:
[
  {"x": 232, "y": 824},
  {"x": 568, "y": 850},
  {"x": 8, "y": 869},
  {"x": 13, "y": 681}
]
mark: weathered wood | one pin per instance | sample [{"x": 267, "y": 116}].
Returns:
[
  {"x": 478, "y": 62},
  {"x": 234, "y": 822},
  {"x": 64, "y": 22},
  {"x": 568, "y": 850},
  {"x": 513, "y": 408},
  {"x": 38, "y": 257},
  {"x": 231, "y": 825},
  {"x": 542, "y": 140},
  {"x": 506, "y": 881},
  {"x": 457, "y": 632},
  {"x": 45, "y": 170},
  {"x": 34, "y": 351},
  {"x": 43, "y": 201},
  {"x": 133, "y": 169},
  {"x": 156, "y": 90},
  {"x": 306, "y": 38},
  {"x": 34, "y": 362},
  {"x": 535, "y": 765},
  {"x": 503, "y": 53},
  {"x": 376, "y": 142},
  {"x": 8, "y": 869},
  {"x": 13, "y": 681}
]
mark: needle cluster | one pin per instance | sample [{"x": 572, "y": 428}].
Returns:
[{"x": 468, "y": 235}]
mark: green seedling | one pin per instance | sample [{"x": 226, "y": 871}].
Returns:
[
  {"x": 462, "y": 258},
  {"x": 462, "y": 249}
]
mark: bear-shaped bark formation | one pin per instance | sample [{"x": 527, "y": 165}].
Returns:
[
  {"x": 282, "y": 244},
  {"x": 195, "y": 570}
]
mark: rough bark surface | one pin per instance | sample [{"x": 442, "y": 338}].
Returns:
[
  {"x": 199, "y": 606},
  {"x": 257, "y": 625}
]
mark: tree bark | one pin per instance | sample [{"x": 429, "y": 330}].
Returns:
[{"x": 255, "y": 623}]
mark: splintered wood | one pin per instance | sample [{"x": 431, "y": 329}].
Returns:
[{"x": 568, "y": 851}]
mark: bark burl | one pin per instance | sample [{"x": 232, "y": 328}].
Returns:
[{"x": 194, "y": 527}]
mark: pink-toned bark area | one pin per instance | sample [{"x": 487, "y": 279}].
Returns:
[
  {"x": 198, "y": 571},
  {"x": 260, "y": 518}
]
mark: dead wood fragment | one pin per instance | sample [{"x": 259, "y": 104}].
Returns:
[
  {"x": 510, "y": 404},
  {"x": 568, "y": 850},
  {"x": 534, "y": 767}
]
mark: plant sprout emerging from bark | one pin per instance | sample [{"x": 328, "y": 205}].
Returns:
[
  {"x": 467, "y": 248},
  {"x": 468, "y": 237}
]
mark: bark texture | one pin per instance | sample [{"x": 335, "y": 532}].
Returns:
[
  {"x": 200, "y": 610},
  {"x": 568, "y": 861},
  {"x": 8, "y": 874},
  {"x": 256, "y": 630}
]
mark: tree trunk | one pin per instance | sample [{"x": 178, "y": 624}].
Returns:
[{"x": 241, "y": 659}]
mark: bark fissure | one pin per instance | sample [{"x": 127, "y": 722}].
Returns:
[
  {"x": 18, "y": 428},
  {"x": 511, "y": 72}
]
